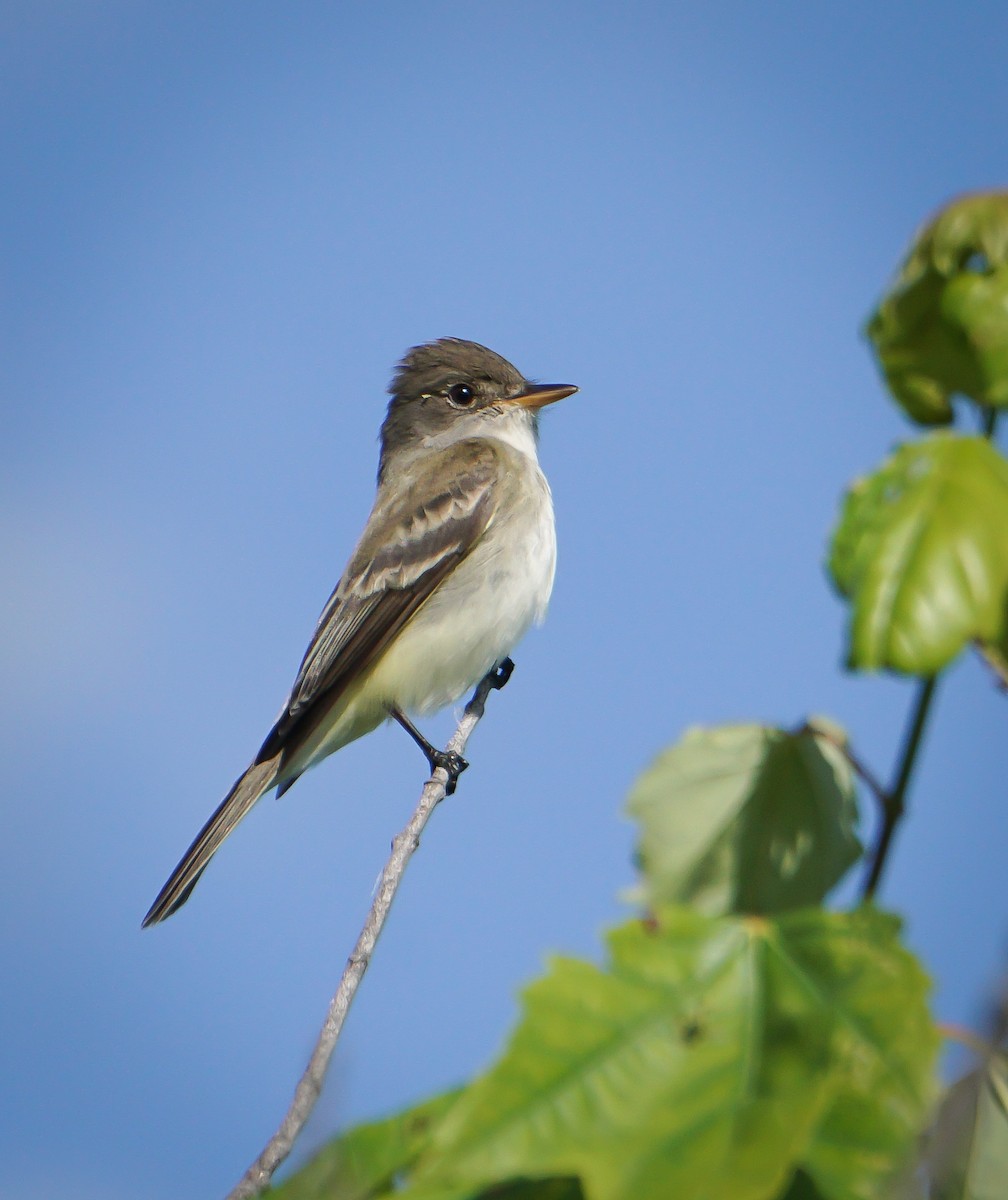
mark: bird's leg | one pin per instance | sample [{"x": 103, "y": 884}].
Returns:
[{"x": 453, "y": 763}]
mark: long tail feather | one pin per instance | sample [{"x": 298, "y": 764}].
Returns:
[{"x": 232, "y": 808}]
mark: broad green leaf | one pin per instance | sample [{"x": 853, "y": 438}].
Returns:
[
  {"x": 434, "y": 1191},
  {"x": 522, "y": 1189},
  {"x": 709, "y": 1061},
  {"x": 745, "y": 818},
  {"x": 886, "y": 1042},
  {"x": 943, "y": 328},
  {"x": 802, "y": 1187},
  {"x": 921, "y": 552},
  {"x": 363, "y": 1162},
  {"x": 967, "y": 1152},
  {"x": 534, "y": 1189}
]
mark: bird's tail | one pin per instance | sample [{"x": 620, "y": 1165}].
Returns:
[{"x": 234, "y": 806}]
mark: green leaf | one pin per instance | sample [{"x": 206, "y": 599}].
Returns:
[
  {"x": 886, "y": 1042},
  {"x": 708, "y": 1062},
  {"x": 921, "y": 551},
  {"x": 746, "y": 818},
  {"x": 521, "y": 1189},
  {"x": 802, "y": 1187},
  {"x": 432, "y": 1192},
  {"x": 364, "y": 1161},
  {"x": 967, "y": 1151},
  {"x": 534, "y": 1189},
  {"x": 943, "y": 328}
]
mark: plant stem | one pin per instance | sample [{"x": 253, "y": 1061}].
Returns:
[
  {"x": 859, "y": 767},
  {"x": 894, "y": 801}
]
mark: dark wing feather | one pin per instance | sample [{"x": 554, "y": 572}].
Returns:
[{"x": 414, "y": 538}]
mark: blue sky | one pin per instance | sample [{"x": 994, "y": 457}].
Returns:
[{"x": 226, "y": 224}]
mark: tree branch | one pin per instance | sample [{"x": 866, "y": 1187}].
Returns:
[
  {"x": 893, "y": 801},
  {"x": 259, "y": 1174}
]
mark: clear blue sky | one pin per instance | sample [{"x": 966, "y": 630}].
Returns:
[{"x": 222, "y": 225}]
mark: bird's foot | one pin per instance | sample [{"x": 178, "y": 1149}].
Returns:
[
  {"x": 452, "y": 763},
  {"x": 501, "y": 674},
  {"x": 449, "y": 761}
]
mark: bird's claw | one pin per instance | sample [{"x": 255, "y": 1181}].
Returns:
[
  {"x": 502, "y": 674},
  {"x": 450, "y": 762}
]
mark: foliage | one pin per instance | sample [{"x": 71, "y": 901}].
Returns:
[
  {"x": 943, "y": 329},
  {"x": 966, "y": 1153},
  {"x": 921, "y": 552},
  {"x": 743, "y": 1041},
  {"x": 727, "y": 1050},
  {"x": 763, "y": 820},
  {"x": 369, "y": 1158}
]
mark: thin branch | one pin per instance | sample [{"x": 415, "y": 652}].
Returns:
[
  {"x": 995, "y": 661},
  {"x": 259, "y": 1174},
  {"x": 894, "y": 800},
  {"x": 980, "y": 1046},
  {"x": 857, "y": 765}
]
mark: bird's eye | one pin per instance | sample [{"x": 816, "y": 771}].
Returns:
[{"x": 461, "y": 395}]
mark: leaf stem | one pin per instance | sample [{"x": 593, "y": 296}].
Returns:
[
  {"x": 980, "y": 1046},
  {"x": 894, "y": 800},
  {"x": 857, "y": 765}
]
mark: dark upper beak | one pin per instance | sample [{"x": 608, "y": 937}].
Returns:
[{"x": 538, "y": 395}]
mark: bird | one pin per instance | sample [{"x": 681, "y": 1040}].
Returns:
[{"x": 455, "y": 563}]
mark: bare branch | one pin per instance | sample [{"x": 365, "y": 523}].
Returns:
[{"x": 259, "y": 1174}]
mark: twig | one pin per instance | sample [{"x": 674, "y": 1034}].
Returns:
[
  {"x": 893, "y": 801},
  {"x": 995, "y": 662},
  {"x": 259, "y": 1174},
  {"x": 857, "y": 765},
  {"x": 980, "y": 1046}
]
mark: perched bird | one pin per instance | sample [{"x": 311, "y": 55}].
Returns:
[{"x": 455, "y": 563}]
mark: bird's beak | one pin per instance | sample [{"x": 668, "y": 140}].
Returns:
[{"x": 538, "y": 395}]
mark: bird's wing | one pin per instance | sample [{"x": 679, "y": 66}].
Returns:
[{"x": 412, "y": 541}]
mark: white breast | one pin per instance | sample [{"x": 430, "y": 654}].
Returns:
[{"x": 481, "y": 611}]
